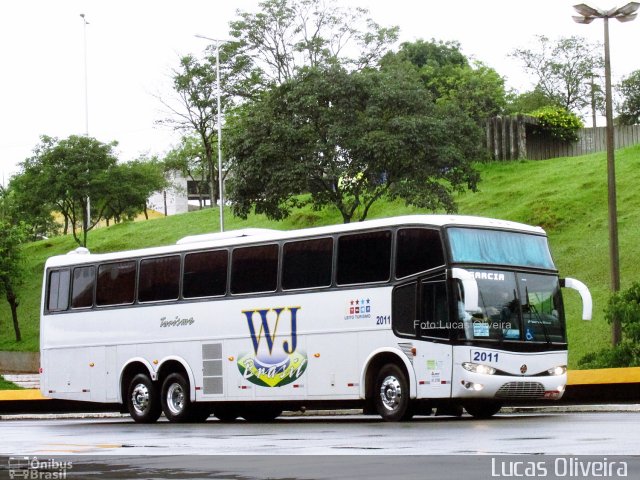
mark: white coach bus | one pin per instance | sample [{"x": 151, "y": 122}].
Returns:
[{"x": 395, "y": 316}]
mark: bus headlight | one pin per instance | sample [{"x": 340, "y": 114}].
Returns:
[
  {"x": 556, "y": 371},
  {"x": 476, "y": 368}
]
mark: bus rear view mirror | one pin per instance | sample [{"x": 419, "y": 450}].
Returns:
[
  {"x": 470, "y": 287},
  {"x": 581, "y": 288}
]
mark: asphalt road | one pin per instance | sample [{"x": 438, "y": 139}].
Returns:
[{"x": 606, "y": 433}]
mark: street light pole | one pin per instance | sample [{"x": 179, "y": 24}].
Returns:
[
  {"x": 622, "y": 14},
  {"x": 219, "y": 122},
  {"x": 87, "y": 213}
]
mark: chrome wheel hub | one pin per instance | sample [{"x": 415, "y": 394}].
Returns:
[
  {"x": 175, "y": 398},
  {"x": 140, "y": 398},
  {"x": 391, "y": 393}
]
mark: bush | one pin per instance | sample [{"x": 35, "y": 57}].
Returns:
[
  {"x": 624, "y": 305},
  {"x": 557, "y": 122}
]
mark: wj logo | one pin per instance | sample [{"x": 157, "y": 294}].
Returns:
[{"x": 275, "y": 360}]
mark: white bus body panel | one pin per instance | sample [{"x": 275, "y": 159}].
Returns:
[{"x": 333, "y": 335}]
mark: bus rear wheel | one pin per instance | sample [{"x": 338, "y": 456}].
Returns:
[
  {"x": 175, "y": 400},
  {"x": 483, "y": 409},
  {"x": 391, "y": 394},
  {"x": 142, "y": 399}
]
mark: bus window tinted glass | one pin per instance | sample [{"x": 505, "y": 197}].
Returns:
[
  {"x": 435, "y": 315},
  {"x": 116, "y": 283},
  {"x": 307, "y": 264},
  {"x": 159, "y": 279},
  {"x": 404, "y": 309},
  {"x": 205, "y": 274},
  {"x": 417, "y": 250},
  {"x": 84, "y": 279},
  {"x": 254, "y": 269},
  {"x": 58, "y": 290},
  {"x": 364, "y": 258}
]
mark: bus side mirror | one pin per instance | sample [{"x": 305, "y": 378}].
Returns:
[
  {"x": 581, "y": 288},
  {"x": 470, "y": 287}
]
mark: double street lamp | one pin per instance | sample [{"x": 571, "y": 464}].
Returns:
[{"x": 623, "y": 14}]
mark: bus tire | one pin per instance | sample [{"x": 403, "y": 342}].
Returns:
[
  {"x": 142, "y": 399},
  {"x": 483, "y": 409},
  {"x": 175, "y": 399},
  {"x": 391, "y": 394}
]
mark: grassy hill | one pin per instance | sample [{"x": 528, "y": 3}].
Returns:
[{"x": 566, "y": 196}]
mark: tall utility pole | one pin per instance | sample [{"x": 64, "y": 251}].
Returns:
[
  {"x": 622, "y": 14},
  {"x": 219, "y": 121},
  {"x": 87, "y": 213}
]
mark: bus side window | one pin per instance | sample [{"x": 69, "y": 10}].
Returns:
[
  {"x": 205, "y": 274},
  {"x": 417, "y": 250},
  {"x": 254, "y": 269},
  {"x": 58, "y": 292},
  {"x": 159, "y": 279},
  {"x": 307, "y": 264},
  {"x": 84, "y": 279},
  {"x": 404, "y": 315},
  {"x": 116, "y": 283},
  {"x": 435, "y": 316},
  {"x": 364, "y": 258}
]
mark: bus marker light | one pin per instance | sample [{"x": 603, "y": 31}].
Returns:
[
  {"x": 155, "y": 362},
  {"x": 231, "y": 359},
  {"x": 317, "y": 355},
  {"x": 41, "y": 370},
  {"x": 413, "y": 351},
  {"x": 92, "y": 364}
]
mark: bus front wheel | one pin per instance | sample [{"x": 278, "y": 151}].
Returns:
[
  {"x": 142, "y": 399},
  {"x": 175, "y": 399},
  {"x": 391, "y": 394}
]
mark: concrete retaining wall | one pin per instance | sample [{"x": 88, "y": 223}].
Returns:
[{"x": 19, "y": 362}]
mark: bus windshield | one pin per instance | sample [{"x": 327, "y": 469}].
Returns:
[
  {"x": 499, "y": 247},
  {"x": 515, "y": 306}
]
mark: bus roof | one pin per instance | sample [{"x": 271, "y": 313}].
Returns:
[{"x": 257, "y": 235}]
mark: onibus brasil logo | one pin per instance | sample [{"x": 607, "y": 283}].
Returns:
[{"x": 274, "y": 362}]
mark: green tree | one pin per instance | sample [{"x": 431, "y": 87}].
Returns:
[
  {"x": 528, "y": 102},
  {"x": 450, "y": 77},
  {"x": 194, "y": 110},
  {"x": 629, "y": 89},
  {"x": 131, "y": 185},
  {"x": 275, "y": 43},
  {"x": 12, "y": 234},
  {"x": 564, "y": 70},
  {"x": 188, "y": 158},
  {"x": 27, "y": 192},
  {"x": 624, "y": 306},
  {"x": 66, "y": 175},
  {"x": 348, "y": 139}
]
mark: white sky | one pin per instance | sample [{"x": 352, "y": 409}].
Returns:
[{"x": 133, "y": 45}]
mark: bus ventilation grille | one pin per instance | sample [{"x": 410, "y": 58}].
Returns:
[
  {"x": 212, "y": 368},
  {"x": 521, "y": 390},
  {"x": 406, "y": 349}
]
